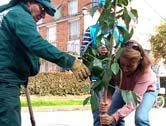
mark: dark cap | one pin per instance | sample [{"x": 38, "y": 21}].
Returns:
[{"x": 49, "y": 8}]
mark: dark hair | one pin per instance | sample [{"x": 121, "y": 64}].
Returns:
[{"x": 133, "y": 51}]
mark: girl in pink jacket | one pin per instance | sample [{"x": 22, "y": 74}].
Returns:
[{"x": 137, "y": 76}]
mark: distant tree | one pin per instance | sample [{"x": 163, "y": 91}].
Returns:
[{"x": 158, "y": 42}]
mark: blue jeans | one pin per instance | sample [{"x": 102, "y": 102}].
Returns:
[
  {"x": 117, "y": 102},
  {"x": 142, "y": 111}
]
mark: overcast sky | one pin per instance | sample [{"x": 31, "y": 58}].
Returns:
[
  {"x": 157, "y": 6},
  {"x": 3, "y": 1}
]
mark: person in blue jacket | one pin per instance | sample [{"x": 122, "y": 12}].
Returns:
[
  {"x": 89, "y": 40},
  {"x": 20, "y": 49}
]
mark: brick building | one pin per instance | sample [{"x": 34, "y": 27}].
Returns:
[{"x": 65, "y": 30}]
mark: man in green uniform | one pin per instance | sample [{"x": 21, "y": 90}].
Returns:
[{"x": 21, "y": 46}]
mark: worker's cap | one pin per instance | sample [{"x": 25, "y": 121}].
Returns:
[{"x": 49, "y": 8}]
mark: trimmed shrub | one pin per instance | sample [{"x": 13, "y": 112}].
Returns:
[{"x": 60, "y": 83}]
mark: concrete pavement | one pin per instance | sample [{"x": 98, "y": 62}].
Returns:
[{"x": 84, "y": 118}]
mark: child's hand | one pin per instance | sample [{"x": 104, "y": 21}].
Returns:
[{"x": 102, "y": 50}]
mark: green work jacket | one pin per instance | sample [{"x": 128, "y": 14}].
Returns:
[{"x": 21, "y": 46}]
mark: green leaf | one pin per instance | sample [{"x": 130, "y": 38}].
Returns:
[
  {"x": 94, "y": 102},
  {"x": 122, "y": 3},
  {"x": 115, "y": 68},
  {"x": 106, "y": 59},
  {"x": 126, "y": 17},
  {"x": 126, "y": 34},
  {"x": 134, "y": 12},
  {"x": 117, "y": 55},
  {"x": 96, "y": 84},
  {"x": 107, "y": 3},
  {"x": 132, "y": 16},
  {"x": 106, "y": 78},
  {"x": 93, "y": 10},
  {"x": 129, "y": 96},
  {"x": 99, "y": 38},
  {"x": 89, "y": 56},
  {"x": 86, "y": 100},
  {"x": 97, "y": 67}
]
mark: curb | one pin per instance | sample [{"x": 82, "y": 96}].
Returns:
[{"x": 56, "y": 108}]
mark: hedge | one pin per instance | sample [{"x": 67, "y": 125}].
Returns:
[{"x": 60, "y": 83}]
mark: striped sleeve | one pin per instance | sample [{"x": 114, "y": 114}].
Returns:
[{"x": 86, "y": 42}]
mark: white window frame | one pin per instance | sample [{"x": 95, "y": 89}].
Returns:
[
  {"x": 73, "y": 47},
  {"x": 47, "y": 66},
  {"x": 74, "y": 30},
  {"x": 51, "y": 34},
  {"x": 73, "y": 7}
]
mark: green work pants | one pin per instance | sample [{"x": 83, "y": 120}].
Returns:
[{"x": 10, "y": 108}]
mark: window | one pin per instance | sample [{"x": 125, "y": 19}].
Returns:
[
  {"x": 73, "y": 45},
  {"x": 52, "y": 35},
  {"x": 47, "y": 66},
  {"x": 73, "y": 7},
  {"x": 74, "y": 30}
]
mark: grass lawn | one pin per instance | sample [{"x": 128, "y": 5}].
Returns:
[{"x": 39, "y": 101}]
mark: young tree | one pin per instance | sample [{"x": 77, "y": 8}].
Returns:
[{"x": 105, "y": 67}]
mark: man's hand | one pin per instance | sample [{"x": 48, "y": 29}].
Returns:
[{"x": 80, "y": 71}]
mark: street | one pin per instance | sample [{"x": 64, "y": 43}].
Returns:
[{"x": 84, "y": 118}]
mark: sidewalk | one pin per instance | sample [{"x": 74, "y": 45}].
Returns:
[
  {"x": 73, "y": 117},
  {"x": 57, "y": 108}
]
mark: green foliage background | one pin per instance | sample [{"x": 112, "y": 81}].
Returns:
[{"x": 158, "y": 42}]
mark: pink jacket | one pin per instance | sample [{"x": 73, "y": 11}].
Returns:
[{"x": 139, "y": 83}]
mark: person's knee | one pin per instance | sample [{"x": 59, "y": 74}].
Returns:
[{"x": 141, "y": 119}]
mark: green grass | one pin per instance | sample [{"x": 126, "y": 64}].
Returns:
[
  {"x": 53, "y": 102},
  {"x": 49, "y": 101}
]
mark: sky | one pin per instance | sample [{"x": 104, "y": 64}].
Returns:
[
  {"x": 156, "y": 6},
  {"x": 3, "y": 2},
  {"x": 151, "y": 7},
  {"x": 150, "y": 15}
]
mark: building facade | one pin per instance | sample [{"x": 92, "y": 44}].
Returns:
[{"x": 65, "y": 30}]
